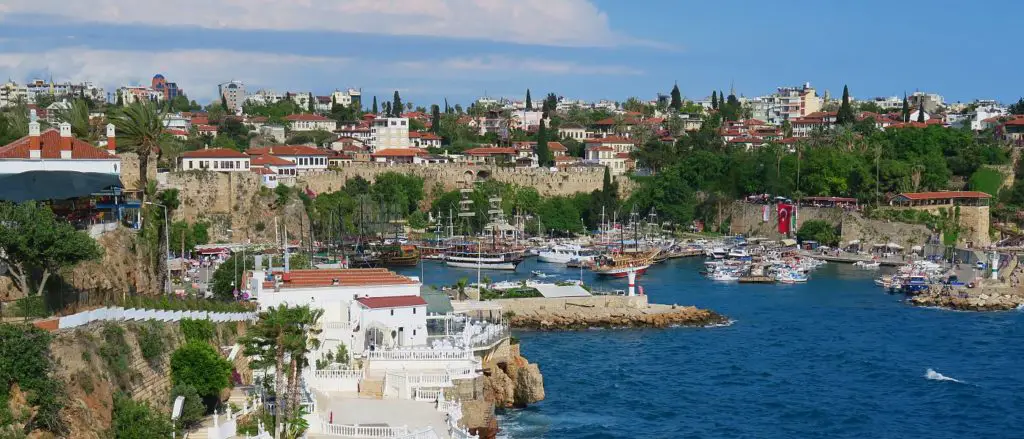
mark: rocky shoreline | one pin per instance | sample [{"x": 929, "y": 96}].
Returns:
[
  {"x": 985, "y": 301},
  {"x": 651, "y": 316}
]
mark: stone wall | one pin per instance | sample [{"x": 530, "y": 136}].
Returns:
[
  {"x": 130, "y": 170},
  {"x": 455, "y": 176},
  {"x": 974, "y": 222},
  {"x": 535, "y": 305},
  {"x": 748, "y": 219}
]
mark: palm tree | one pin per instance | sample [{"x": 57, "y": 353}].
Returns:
[
  {"x": 266, "y": 339},
  {"x": 140, "y": 128},
  {"x": 461, "y": 286},
  {"x": 301, "y": 340},
  {"x": 77, "y": 114}
]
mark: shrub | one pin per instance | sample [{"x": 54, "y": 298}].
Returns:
[
  {"x": 114, "y": 352},
  {"x": 817, "y": 230},
  {"x": 197, "y": 364},
  {"x": 25, "y": 360},
  {"x": 987, "y": 180},
  {"x": 197, "y": 330},
  {"x": 151, "y": 342},
  {"x": 193, "y": 411},
  {"x": 136, "y": 420},
  {"x": 31, "y": 306}
]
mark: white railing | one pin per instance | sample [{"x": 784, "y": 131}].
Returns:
[
  {"x": 422, "y": 434},
  {"x": 118, "y": 313},
  {"x": 331, "y": 374},
  {"x": 427, "y": 394},
  {"x": 360, "y": 431},
  {"x": 429, "y": 380},
  {"x": 465, "y": 372},
  {"x": 419, "y": 354},
  {"x": 460, "y": 433}
]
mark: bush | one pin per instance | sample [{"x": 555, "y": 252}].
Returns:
[
  {"x": 25, "y": 360},
  {"x": 817, "y": 230},
  {"x": 114, "y": 352},
  {"x": 136, "y": 420},
  {"x": 193, "y": 411},
  {"x": 31, "y": 306},
  {"x": 151, "y": 342},
  {"x": 198, "y": 364},
  {"x": 197, "y": 330},
  {"x": 987, "y": 180}
]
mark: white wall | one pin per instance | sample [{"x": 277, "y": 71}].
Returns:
[
  {"x": 334, "y": 300},
  {"x": 412, "y": 319},
  {"x": 188, "y": 164},
  {"x": 112, "y": 166}
]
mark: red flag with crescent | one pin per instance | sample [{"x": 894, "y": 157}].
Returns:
[{"x": 784, "y": 211}]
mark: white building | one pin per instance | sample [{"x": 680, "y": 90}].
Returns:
[
  {"x": 275, "y": 132},
  {"x": 786, "y": 103},
  {"x": 264, "y": 97},
  {"x": 606, "y": 156},
  {"x": 310, "y": 122},
  {"x": 58, "y": 150},
  {"x": 274, "y": 163},
  {"x": 305, "y": 158},
  {"x": 347, "y": 97},
  {"x": 215, "y": 159},
  {"x": 986, "y": 111},
  {"x": 402, "y": 319},
  {"x": 573, "y": 131},
  {"x": 233, "y": 92},
  {"x": 389, "y": 132},
  {"x": 177, "y": 122},
  {"x": 131, "y": 94}
]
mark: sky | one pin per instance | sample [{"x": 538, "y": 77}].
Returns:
[{"x": 430, "y": 50}]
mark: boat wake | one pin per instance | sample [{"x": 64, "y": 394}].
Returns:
[
  {"x": 721, "y": 325},
  {"x": 935, "y": 376}
]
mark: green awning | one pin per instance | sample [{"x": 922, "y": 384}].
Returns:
[
  {"x": 55, "y": 185},
  {"x": 437, "y": 302}
]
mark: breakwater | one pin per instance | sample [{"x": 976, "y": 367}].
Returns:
[
  {"x": 994, "y": 298},
  {"x": 603, "y": 312}
]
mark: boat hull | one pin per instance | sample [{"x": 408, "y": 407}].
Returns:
[
  {"x": 482, "y": 265},
  {"x": 621, "y": 272}
]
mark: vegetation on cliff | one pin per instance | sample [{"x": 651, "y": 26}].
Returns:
[
  {"x": 26, "y": 365},
  {"x": 199, "y": 366}
]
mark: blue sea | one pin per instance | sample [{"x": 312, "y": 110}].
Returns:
[{"x": 833, "y": 358}]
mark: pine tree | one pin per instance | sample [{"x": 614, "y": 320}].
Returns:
[
  {"x": 677, "y": 98},
  {"x": 714, "y": 100},
  {"x": 435, "y": 118},
  {"x": 550, "y": 103},
  {"x": 224, "y": 103},
  {"x": 906, "y": 108},
  {"x": 529, "y": 102},
  {"x": 120, "y": 99},
  {"x": 845, "y": 114},
  {"x": 721, "y": 99},
  {"x": 387, "y": 109},
  {"x": 312, "y": 103},
  {"x": 544, "y": 158},
  {"x": 920, "y": 113},
  {"x": 396, "y": 105},
  {"x": 373, "y": 109}
]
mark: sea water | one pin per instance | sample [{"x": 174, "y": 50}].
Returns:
[{"x": 835, "y": 357}]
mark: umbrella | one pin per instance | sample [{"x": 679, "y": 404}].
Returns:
[{"x": 894, "y": 245}]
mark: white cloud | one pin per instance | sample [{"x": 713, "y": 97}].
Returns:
[
  {"x": 199, "y": 71},
  {"x": 544, "y": 22}
]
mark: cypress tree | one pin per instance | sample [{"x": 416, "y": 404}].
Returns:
[
  {"x": 920, "y": 113},
  {"x": 224, "y": 103},
  {"x": 373, "y": 109},
  {"x": 387, "y": 109},
  {"x": 544, "y": 158},
  {"x": 435, "y": 118},
  {"x": 447, "y": 109},
  {"x": 396, "y": 105},
  {"x": 906, "y": 108},
  {"x": 312, "y": 103},
  {"x": 120, "y": 99},
  {"x": 721, "y": 99},
  {"x": 714, "y": 100},
  {"x": 677, "y": 98},
  {"x": 529, "y": 102},
  {"x": 845, "y": 114}
]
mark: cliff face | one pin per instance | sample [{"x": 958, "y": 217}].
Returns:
[
  {"x": 120, "y": 271},
  {"x": 514, "y": 381},
  {"x": 90, "y": 382}
]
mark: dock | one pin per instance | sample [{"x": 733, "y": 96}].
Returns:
[
  {"x": 757, "y": 280},
  {"x": 852, "y": 259}
]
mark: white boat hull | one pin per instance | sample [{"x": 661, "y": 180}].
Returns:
[
  {"x": 561, "y": 258},
  {"x": 482, "y": 265}
]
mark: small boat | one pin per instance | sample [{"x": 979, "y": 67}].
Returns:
[
  {"x": 540, "y": 274},
  {"x": 737, "y": 253},
  {"x": 724, "y": 276},
  {"x": 867, "y": 265},
  {"x": 562, "y": 254},
  {"x": 792, "y": 277},
  {"x": 488, "y": 260}
]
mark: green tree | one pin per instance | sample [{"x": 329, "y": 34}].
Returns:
[
  {"x": 677, "y": 98},
  {"x": 373, "y": 108},
  {"x": 1017, "y": 108},
  {"x": 266, "y": 340},
  {"x": 820, "y": 231},
  {"x": 714, "y": 100},
  {"x": 77, "y": 115},
  {"x": 34, "y": 245},
  {"x": 544, "y": 157},
  {"x": 198, "y": 365},
  {"x": 140, "y": 130},
  {"x": 920, "y": 113},
  {"x": 224, "y": 103},
  {"x": 529, "y": 101},
  {"x": 137, "y": 420},
  {"x": 787, "y": 128},
  {"x": 845, "y": 115},
  {"x": 193, "y": 410},
  {"x": 311, "y": 103},
  {"x": 396, "y": 105},
  {"x": 300, "y": 341},
  {"x": 550, "y": 104},
  {"x": 906, "y": 109},
  {"x": 25, "y": 360},
  {"x": 435, "y": 118}
]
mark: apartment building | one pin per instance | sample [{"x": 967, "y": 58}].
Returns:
[
  {"x": 786, "y": 103},
  {"x": 389, "y": 132},
  {"x": 233, "y": 92}
]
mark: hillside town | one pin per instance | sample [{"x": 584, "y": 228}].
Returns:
[{"x": 325, "y": 245}]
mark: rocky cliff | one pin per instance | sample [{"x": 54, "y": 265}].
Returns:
[
  {"x": 93, "y": 366},
  {"x": 603, "y": 311},
  {"x": 513, "y": 380},
  {"x": 121, "y": 271}
]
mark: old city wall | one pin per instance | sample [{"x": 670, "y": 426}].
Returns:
[
  {"x": 747, "y": 219},
  {"x": 456, "y": 176},
  {"x": 974, "y": 223},
  {"x": 130, "y": 170}
]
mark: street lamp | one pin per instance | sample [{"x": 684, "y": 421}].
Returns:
[{"x": 167, "y": 235}]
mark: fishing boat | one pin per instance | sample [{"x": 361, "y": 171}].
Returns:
[
  {"x": 540, "y": 274},
  {"x": 867, "y": 265},
  {"x": 562, "y": 254},
  {"x": 620, "y": 265},
  {"x": 724, "y": 276},
  {"x": 791, "y": 277}
]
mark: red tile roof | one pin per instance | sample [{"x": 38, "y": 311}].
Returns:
[
  {"x": 600, "y": 148},
  {"x": 199, "y": 120},
  {"x": 262, "y": 171},
  {"x": 49, "y": 143},
  {"x": 557, "y": 146},
  {"x": 391, "y": 302},
  {"x": 489, "y": 150},
  {"x": 214, "y": 153},
  {"x": 352, "y": 277},
  {"x": 610, "y": 139},
  {"x": 916, "y": 196},
  {"x": 429, "y": 136},
  {"x": 287, "y": 150},
  {"x": 270, "y": 160},
  {"x": 306, "y": 117},
  {"x": 398, "y": 152}
]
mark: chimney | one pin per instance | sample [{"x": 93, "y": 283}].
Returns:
[
  {"x": 34, "y": 148},
  {"x": 111, "y": 139},
  {"x": 65, "y": 140}
]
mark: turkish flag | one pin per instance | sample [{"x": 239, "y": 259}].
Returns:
[{"x": 784, "y": 212}]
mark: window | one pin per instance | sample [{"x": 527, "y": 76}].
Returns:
[
  {"x": 189, "y": 165},
  {"x": 414, "y": 310},
  {"x": 215, "y": 164},
  {"x": 246, "y": 165},
  {"x": 392, "y": 312},
  {"x": 414, "y": 332}
]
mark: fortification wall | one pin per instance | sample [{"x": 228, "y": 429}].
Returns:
[
  {"x": 130, "y": 170},
  {"x": 456, "y": 176},
  {"x": 974, "y": 223},
  {"x": 748, "y": 219}
]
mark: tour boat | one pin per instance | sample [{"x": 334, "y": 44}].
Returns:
[
  {"x": 401, "y": 256},
  {"x": 489, "y": 260},
  {"x": 791, "y": 277},
  {"x": 867, "y": 265},
  {"x": 737, "y": 253},
  {"x": 562, "y": 254},
  {"x": 724, "y": 276},
  {"x": 717, "y": 252},
  {"x": 621, "y": 265}
]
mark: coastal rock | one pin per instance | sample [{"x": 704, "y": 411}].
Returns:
[
  {"x": 994, "y": 301},
  {"x": 654, "y": 316},
  {"x": 513, "y": 382}
]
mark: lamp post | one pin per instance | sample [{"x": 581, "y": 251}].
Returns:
[{"x": 167, "y": 235}]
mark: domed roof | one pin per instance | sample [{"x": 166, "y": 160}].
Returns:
[{"x": 158, "y": 76}]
